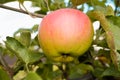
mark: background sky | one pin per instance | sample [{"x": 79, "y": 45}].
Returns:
[{"x": 11, "y": 21}]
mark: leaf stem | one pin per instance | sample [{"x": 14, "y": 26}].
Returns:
[
  {"x": 26, "y": 66},
  {"x": 21, "y": 11},
  {"x": 46, "y": 1}
]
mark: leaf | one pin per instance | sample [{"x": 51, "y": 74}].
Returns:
[
  {"x": 107, "y": 10},
  {"x": 106, "y": 25},
  {"x": 25, "y": 38},
  {"x": 57, "y": 4},
  {"x": 35, "y": 41},
  {"x": 21, "y": 30},
  {"x": 111, "y": 71},
  {"x": 32, "y": 76},
  {"x": 100, "y": 12},
  {"x": 98, "y": 2},
  {"x": 41, "y": 4},
  {"x": 34, "y": 56},
  {"x": 98, "y": 72},
  {"x": 21, "y": 1},
  {"x": 20, "y": 75},
  {"x": 35, "y": 28},
  {"x": 17, "y": 48},
  {"x": 114, "y": 20},
  {"x": 115, "y": 28},
  {"x": 79, "y": 70},
  {"x": 21, "y": 51},
  {"x": 78, "y": 2},
  {"x": 4, "y": 75},
  {"x": 100, "y": 38},
  {"x": 47, "y": 73},
  {"x": 118, "y": 60},
  {"x": 5, "y": 1}
]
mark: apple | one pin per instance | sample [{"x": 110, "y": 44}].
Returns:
[{"x": 65, "y": 34}]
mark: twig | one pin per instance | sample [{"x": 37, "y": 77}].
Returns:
[
  {"x": 21, "y": 11},
  {"x": 46, "y": 1}
]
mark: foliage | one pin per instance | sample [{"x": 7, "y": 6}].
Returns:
[{"x": 100, "y": 62}]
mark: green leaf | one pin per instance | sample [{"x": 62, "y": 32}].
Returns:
[
  {"x": 4, "y": 75},
  {"x": 107, "y": 10},
  {"x": 21, "y": 51},
  {"x": 47, "y": 73},
  {"x": 79, "y": 70},
  {"x": 32, "y": 76},
  {"x": 98, "y": 2},
  {"x": 98, "y": 72},
  {"x": 100, "y": 10},
  {"x": 118, "y": 60},
  {"x": 34, "y": 56},
  {"x": 5, "y": 1},
  {"x": 21, "y": 30},
  {"x": 25, "y": 38},
  {"x": 100, "y": 38},
  {"x": 115, "y": 28},
  {"x": 35, "y": 41},
  {"x": 114, "y": 22},
  {"x": 57, "y": 4},
  {"x": 35, "y": 28},
  {"x": 78, "y": 2},
  {"x": 21, "y": 1},
  {"x": 18, "y": 49},
  {"x": 41, "y": 4},
  {"x": 111, "y": 71},
  {"x": 20, "y": 75}
]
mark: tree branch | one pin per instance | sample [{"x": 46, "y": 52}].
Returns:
[{"x": 21, "y": 11}]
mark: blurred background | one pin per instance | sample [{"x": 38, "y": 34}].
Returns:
[{"x": 11, "y": 21}]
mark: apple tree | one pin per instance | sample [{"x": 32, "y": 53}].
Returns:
[{"x": 61, "y": 48}]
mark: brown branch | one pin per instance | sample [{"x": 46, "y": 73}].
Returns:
[{"x": 21, "y": 11}]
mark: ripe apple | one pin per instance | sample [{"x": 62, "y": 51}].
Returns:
[{"x": 65, "y": 34}]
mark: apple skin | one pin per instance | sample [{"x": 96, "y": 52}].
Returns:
[{"x": 65, "y": 34}]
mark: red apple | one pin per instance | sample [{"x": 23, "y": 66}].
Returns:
[{"x": 65, "y": 34}]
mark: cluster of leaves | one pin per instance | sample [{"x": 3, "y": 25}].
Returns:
[{"x": 101, "y": 61}]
